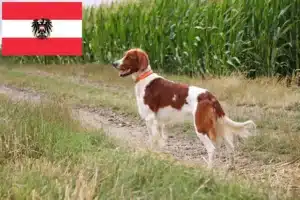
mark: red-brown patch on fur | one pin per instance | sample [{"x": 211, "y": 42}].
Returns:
[
  {"x": 143, "y": 59},
  {"x": 205, "y": 119},
  {"x": 161, "y": 93},
  {"x": 207, "y": 113},
  {"x": 215, "y": 103},
  {"x": 135, "y": 60}
]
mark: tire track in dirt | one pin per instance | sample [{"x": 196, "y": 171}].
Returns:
[
  {"x": 182, "y": 147},
  {"x": 126, "y": 129},
  {"x": 116, "y": 125},
  {"x": 18, "y": 94},
  {"x": 136, "y": 134}
]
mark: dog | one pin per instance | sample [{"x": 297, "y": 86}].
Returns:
[{"x": 159, "y": 99}]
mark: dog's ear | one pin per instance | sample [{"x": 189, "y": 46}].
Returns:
[{"x": 143, "y": 60}]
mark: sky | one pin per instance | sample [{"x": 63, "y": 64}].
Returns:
[{"x": 85, "y": 2}]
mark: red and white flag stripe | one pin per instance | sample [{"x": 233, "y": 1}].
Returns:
[{"x": 66, "y": 35}]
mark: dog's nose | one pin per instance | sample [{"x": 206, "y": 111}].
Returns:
[{"x": 115, "y": 64}]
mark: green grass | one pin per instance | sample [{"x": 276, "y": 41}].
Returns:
[
  {"x": 80, "y": 94},
  {"x": 278, "y": 138},
  {"x": 275, "y": 110},
  {"x": 258, "y": 37},
  {"x": 46, "y": 154}
]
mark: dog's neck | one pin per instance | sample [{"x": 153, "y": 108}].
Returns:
[{"x": 136, "y": 76}]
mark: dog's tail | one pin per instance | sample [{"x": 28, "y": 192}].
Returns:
[{"x": 238, "y": 128}]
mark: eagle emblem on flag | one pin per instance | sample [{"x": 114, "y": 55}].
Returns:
[{"x": 41, "y": 28}]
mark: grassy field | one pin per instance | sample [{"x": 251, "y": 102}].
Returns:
[
  {"x": 69, "y": 127},
  {"x": 257, "y": 37},
  {"x": 51, "y": 155},
  {"x": 45, "y": 154}
]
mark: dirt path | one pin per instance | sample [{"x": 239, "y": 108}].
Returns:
[
  {"x": 181, "y": 146},
  {"x": 119, "y": 126}
]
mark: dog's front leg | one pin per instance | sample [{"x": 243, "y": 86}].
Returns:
[
  {"x": 163, "y": 137},
  {"x": 152, "y": 126}
]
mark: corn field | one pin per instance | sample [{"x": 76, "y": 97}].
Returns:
[{"x": 256, "y": 37}]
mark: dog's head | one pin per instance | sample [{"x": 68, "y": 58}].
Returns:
[{"x": 133, "y": 61}]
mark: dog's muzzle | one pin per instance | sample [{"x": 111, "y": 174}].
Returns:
[{"x": 116, "y": 64}]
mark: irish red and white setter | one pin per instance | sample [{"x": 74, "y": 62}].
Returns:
[{"x": 160, "y": 100}]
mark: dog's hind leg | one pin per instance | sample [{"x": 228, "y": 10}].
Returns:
[
  {"x": 205, "y": 126},
  {"x": 210, "y": 148},
  {"x": 220, "y": 139},
  {"x": 228, "y": 138}
]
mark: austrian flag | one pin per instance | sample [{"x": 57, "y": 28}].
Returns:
[{"x": 37, "y": 28}]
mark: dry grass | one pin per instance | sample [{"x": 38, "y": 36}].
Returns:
[
  {"x": 234, "y": 89},
  {"x": 271, "y": 105},
  {"x": 46, "y": 155}
]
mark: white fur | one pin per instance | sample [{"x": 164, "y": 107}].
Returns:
[
  {"x": 210, "y": 148},
  {"x": 119, "y": 62},
  {"x": 226, "y": 128}
]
